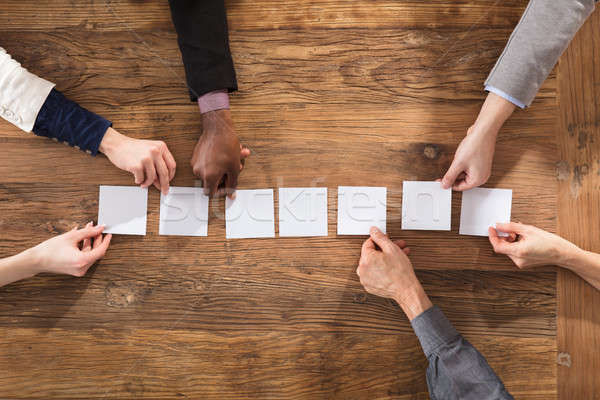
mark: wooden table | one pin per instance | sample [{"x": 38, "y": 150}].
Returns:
[{"x": 331, "y": 93}]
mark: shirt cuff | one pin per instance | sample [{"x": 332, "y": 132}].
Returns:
[
  {"x": 66, "y": 121},
  {"x": 504, "y": 95},
  {"x": 212, "y": 101},
  {"x": 433, "y": 330}
]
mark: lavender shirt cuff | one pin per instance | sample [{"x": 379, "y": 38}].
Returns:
[
  {"x": 212, "y": 101},
  {"x": 506, "y": 96}
]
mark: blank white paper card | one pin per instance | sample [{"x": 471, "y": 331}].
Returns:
[
  {"x": 302, "y": 212},
  {"x": 123, "y": 209},
  {"x": 482, "y": 208},
  {"x": 360, "y": 208},
  {"x": 184, "y": 212},
  {"x": 250, "y": 215},
  {"x": 426, "y": 206}
]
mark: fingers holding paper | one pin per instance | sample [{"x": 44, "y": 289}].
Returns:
[
  {"x": 72, "y": 253},
  {"x": 149, "y": 161},
  {"x": 218, "y": 157},
  {"x": 529, "y": 246},
  {"x": 472, "y": 164},
  {"x": 384, "y": 268}
]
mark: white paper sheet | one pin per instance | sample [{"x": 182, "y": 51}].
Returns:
[
  {"x": 123, "y": 209},
  {"x": 426, "y": 206},
  {"x": 184, "y": 212},
  {"x": 303, "y": 211},
  {"x": 360, "y": 208},
  {"x": 482, "y": 208},
  {"x": 250, "y": 215}
]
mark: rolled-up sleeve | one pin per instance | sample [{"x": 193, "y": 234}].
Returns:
[{"x": 456, "y": 369}]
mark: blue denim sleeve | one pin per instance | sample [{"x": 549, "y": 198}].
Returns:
[
  {"x": 66, "y": 121},
  {"x": 456, "y": 371}
]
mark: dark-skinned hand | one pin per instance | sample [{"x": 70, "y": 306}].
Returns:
[{"x": 218, "y": 157}]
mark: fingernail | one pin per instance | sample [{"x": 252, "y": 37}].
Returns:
[{"x": 373, "y": 230}]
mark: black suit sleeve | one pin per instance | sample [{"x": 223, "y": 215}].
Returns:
[{"x": 202, "y": 35}]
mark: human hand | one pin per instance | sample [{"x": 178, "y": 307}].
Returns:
[
  {"x": 62, "y": 254},
  {"x": 472, "y": 164},
  {"x": 385, "y": 270},
  {"x": 150, "y": 161},
  {"x": 528, "y": 246},
  {"x": 218, "y": 156}
]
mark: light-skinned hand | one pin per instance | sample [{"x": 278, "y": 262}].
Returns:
[
  {"x": 218, "y": 157},
  {"x": 385, "y": 270},
  {"x": 150, "y": 161},
  {"x": 71, "y": 253},
  {"x": 528, "y": 246},
  {"x": 472, "y": 164}
]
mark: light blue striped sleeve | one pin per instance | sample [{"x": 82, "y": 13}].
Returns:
[{"x": 506, "y": 96}]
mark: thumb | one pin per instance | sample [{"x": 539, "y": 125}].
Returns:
[
  {"x": 510, "y": 227},
  {"x": 451, "y": 175},
  {"x": 381, "y": 239},
  {"x": 463, "y": 185},
  {"x": 88, "y": 232},
  {"x": 499, "y": 244}
]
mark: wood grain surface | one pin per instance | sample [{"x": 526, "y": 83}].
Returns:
[
  {"x": 331, "y": 93},
  {"x": 579, "y": 212}
]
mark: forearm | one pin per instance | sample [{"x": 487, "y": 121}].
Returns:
[
  {"x": 584, "y": 263},
  {"x": 413, "y": 300},
  {"x": 17, "y": 267},
  {"x": 493, "y": 114},
  {"x": 22, "y": 93},
  {"x": 457, "y": 370},
  {"x": 543, "y": 33},
  {"x": 32, "y": 104},
  {"x": 66, "y": 121},
  {"x": 203, "y": 39}
]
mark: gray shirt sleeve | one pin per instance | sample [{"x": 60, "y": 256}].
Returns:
[
  {"x": 456, "y": 369},
  {"x": 543, "y": 33}
]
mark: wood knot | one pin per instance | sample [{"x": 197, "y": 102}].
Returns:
[
  {"x": 360, "y": 298},
  {"x": 431, "y": 151},
  {"x": 122, "y": 295},
  {"x": 563, "y": 170},
  {"x": 564, "y": 359}
]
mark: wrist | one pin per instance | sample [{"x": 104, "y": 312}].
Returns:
[
  {"x": 110, "y": 142},
  {"x": 216, "y": 120},
  {"x": 571, "y": 257},
  {"x": 494, "y": 113},
  {"x": 29, "y": 263},
  {"x": 413, "y": 301}
]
